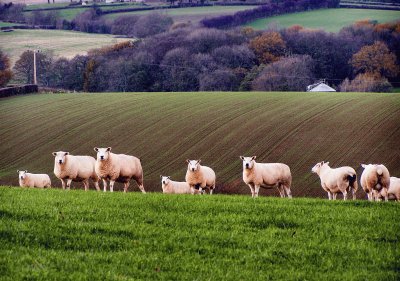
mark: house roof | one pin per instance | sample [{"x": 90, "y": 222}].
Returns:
[{"x": 320, "y": 87}]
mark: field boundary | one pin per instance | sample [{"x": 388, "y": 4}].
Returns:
[{"x": 18, "y": 90}]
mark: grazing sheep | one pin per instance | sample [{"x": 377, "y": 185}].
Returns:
[
  {"x": 374, "y": 179},
  {"x": 75, "y": 168},
  {"x": 118, "y": 168},
  {"x": 174, "y": 187},
  {"x": 33, "y": 180},
  {"x": 266, "y": 175},
  {"x": 342, "y": 179},
  {"x": 199, "y": 177},
  {"x": 393, "y": 192}
]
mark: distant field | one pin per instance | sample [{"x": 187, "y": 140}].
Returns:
[
  {"x": 328, "y": 19},
  {"x": 62, "y": 43},
  {"x": 77, "y": 235},
  {"x": 4, "y": 24},
  {"x": 190, "y": 14},
  {"x": 165, "y": 129}
]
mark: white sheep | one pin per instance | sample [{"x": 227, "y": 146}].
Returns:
[
  {"x": 118, "y": 168},
  {"x": 174, "y": 187},
  {"x": 33, "y": 180},
  {"x": 266, "y": 175},
  {"x": 75, "y": 168},
  {"x": 334, "y": 180},
  {"x": 374, "y": 179},
  {"x": 393, "y": 192},
  {"x": 199, "y": 177}
]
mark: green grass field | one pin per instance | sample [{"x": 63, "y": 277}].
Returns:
[
  {"x": 77, "y": 235},
  {"x": 193, "y": 14},
  {"x": 62, "y": 43},
  {"x": 4, "y": 24},
  {"x": 328, "y": 19},
  {"x": 165, "y": 129}
]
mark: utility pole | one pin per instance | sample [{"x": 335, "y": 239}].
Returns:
[{"x": 34, "y": 67}]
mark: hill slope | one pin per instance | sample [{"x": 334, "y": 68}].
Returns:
[
  {"x": 164, "y": 129},
  {"x": 327, "y": 19},
  {"x": 77, "y": 235}
]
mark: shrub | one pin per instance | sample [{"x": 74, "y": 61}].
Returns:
[{"x": 366, "y": 82}]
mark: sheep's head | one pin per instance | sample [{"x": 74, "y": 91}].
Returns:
[
  {"x": 60, "y": 156},
  {"x": 193, "y": 165},
  {"x": 22, "y": 174},
  {"x": 165, "y": 179},
  {"x": 102, "y": 153},
  {"x": 317, "y": 167},
  {"x": 248, "y": 162}
]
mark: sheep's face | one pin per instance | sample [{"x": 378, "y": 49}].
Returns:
[
  {"x": 317, "y": 168},
  {"x": 193, "y": 165},
  {"x": 102, "y": 153},
  {"x": 22, "y": 174},
  {"x": 248, "y": 162},
  {"x": 60, "y": 157},
  {"x": 165, "y": 180}
]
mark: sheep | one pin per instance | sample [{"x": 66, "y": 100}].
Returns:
[
  {"x": 393, "y": 192},
  {"x": 266, "y": 175},
  {"x": 75, "y": 168},
  {"x": 375, "y": 178},
  {"x": 174, "y": 187},
  {"x": 199, "y": 177},
  {"x": 33, "y": 180},
  {"x": 118, "y": 168},
  {"x": 334, "y": 180}
]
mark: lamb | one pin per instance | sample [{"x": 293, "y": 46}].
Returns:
[
  {"x": 342, "y": 179},
  {"x": 174, "y": 187},
  {"x": 75, "y": 168},
  {"x": 33, "y": 180},
  {"x": 118, "y": 168},
  {"x": 199, "y": 177},
  {"x": 266, "y": 175},
  {"x": 374, "y": 179}
]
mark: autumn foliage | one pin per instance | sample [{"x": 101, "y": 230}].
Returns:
[
  {"x": 375, "y": 59},
  {"x": 268, "y": 47},
  {"x": 5, "y": 71}
]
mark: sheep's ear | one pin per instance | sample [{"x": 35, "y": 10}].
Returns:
[
  {"x": 187, "y": 161},
  {"x": 241, "y": 157},
  {"x": 54, "y": 153},
  {"x": 26, "y": 171},
  {"x": 169, "y": 177},
  {"x": 161, "y": 176},
  {"x": 363, "y": 165},
  {"x": 66, "y": 153},
  {"x": 109, "y": 148},
  {"x": 327, "y": 163},
  {"x": 254, "y": 157},
  {"x": 199, "y": 161},
  {"x": 18, "y": 171},
  {"x": 322, "y": 163},
  {"x": 96, "y": 149}
]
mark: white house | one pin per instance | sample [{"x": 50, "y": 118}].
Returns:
[{"x": 320, "y": 87}]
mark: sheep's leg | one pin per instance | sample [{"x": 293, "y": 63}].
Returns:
[
  {"x": 329, "y": 195},
  {"x": 126, "y": 185},
  {"x": 281, "y": 192},
  {"x": 86, "y": 184},
  {"x": 104, "y": 185},
  {"x": 386, "y": 195},
  {"x": 141, "y": 187},
  {"x": 256, "y": 190},
  {"x": 334, "y": 196},
  {"x": 69, "y": 184},
  {"x": 140, "y": 184},
  {"x": 192, "y": 190},
  {"x": 288, "y": 191},
  {"x": 251, "y": 189},
  {"x": 96, "y": 184},
  {"x": 112, "y": 185},
  {"x": 63, "y": 184},
  {"x": 354, "y": 194},
  {"x": 344, "y": 195}
]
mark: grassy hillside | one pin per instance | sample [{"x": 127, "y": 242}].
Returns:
[
  {"x": 164, "y": 129},
  {"x": 193, "y": 14},
  {"x": 77, "y": 235},
  {"x": 327, "y": 19},
  {"x": 62, "y": 43}
]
